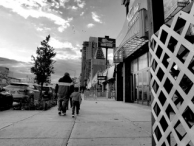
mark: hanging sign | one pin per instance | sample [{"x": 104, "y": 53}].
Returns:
[
  {"x": 101, "y": 77},
  {"x": 106, "y": 42}
]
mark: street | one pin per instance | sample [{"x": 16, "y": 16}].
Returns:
[{"x": 101, "y": 122}]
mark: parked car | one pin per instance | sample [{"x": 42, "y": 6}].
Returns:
[
  {"x": 22, "y": 93},
  {"x": 6, "y": 99},
  {"x": 47, "y": 92}
]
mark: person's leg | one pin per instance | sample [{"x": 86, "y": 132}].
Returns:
[
  {"x": 70, "y": 102},
  {"x": 67, "y": 105},
  {"x": 64, "y": 106},
  {"x": 73, "y": 107},
  {"x": 77, "y": 107},
  {"x": 59, "y": 106}
]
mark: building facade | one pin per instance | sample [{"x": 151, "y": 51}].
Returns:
[
  {"x": 133, "y": 66},
  {"x": 93, "y": 60},
  {"x": 7, "y": 76}
]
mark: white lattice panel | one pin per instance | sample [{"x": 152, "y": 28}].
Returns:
[{"x": 172, "y": 79}]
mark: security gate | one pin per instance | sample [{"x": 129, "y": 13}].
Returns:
[{"x": 172, "y": 79}]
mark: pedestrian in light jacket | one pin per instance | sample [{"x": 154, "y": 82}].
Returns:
[{"x": 76, "y": 100}]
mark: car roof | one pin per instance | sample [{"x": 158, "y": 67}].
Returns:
[{"x": 19, "y": 84}]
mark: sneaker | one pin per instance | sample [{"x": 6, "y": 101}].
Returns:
[
  {"x": 64, "y": 114},
  {"x": 72, "y": 116},
  {"x": 59, "y": 113}
]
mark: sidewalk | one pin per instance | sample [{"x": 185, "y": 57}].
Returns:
[{"x": 102, "y": 122}]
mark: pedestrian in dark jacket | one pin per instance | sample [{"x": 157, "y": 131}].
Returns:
[
  {"x": 56, "y": 90},
  {"x": 64, "y": 92},
  {"x": 76, "y": 100}
]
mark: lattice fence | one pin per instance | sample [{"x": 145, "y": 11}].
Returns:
[{"x": 172, "y": 79}]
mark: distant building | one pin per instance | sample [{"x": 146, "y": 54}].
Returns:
[
  {"x": 93, "y": 60},
  {"x": 7, "y": 76}
]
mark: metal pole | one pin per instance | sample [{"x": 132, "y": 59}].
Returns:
[{"x": 106, "y": 57}]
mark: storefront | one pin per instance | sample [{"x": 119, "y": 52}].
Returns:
[{"x": 132, "y": 74}]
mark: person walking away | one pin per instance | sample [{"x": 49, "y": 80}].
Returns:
[
  {"x": 56, "y": 90},
  {"x": 64, "y": 93},
  {"x": 76, "y": 100},
  {"x": 82, "y": 94},
  {"x": 70, "y": 100}
]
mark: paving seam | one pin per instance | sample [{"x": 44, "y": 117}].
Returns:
[
  {"x": 21, "y": 120},
  {"x": 66, "y": 144}
]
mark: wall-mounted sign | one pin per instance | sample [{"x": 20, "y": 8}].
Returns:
[
  {"x": 132, "y": 15},
  {"x": 171, "y": 5},
  {"x": 101, "y": 77},
  {"x": 106, "y": 42}
]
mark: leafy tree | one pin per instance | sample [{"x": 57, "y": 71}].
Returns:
[{"x": 43, "y": 63}]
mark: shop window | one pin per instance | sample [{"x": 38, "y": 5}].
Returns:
[
  {"x": 179, "y": 25},
  {"x": 165, "y": 61},
  {"x": 163, "y": 36},
  {"x": 163, "y": 124},
  {"x": 162, "y": 98},
  {"x": 170, "y": 112},
  {"x": 143, "y": 61},
  {"x": 177, "y": 99},
  {"x": 182, "y": 53},
  {"x": 159, "y": 52},
  {"x": 134, "y": 65},
  {"x": 190, "y": 34},
  {"x": 186, "y": 84},
  {"x": 168, "y": 85},
  {"x": 188, "y": 116},
  {"x": 160, "y": 74},
  {"x": 171, "y": 140},
  {"x": 191, "y": 65},
  {"x": 180, "y": 131},
  {"x": 172, "y": 44},
  {"x": 157, "y": 133},
  {"x": 175, "y": 70}
]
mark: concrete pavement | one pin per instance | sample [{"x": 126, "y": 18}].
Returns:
[{"x": 102, "y": 122}]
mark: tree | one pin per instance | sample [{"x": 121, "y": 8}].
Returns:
[{"x": 43, "y": 63}]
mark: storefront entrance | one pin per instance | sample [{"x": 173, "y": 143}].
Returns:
[{"x": 140, "y": 80}]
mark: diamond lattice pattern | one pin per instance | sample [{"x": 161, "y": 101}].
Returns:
[{"x": 172, "y": 79}]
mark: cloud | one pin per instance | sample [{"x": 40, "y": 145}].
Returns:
[
  {"x": 82, "y": 14},
  {"x": 35, "y": 9},
  {"x": 39, "y": 29},
  {"x": 96, "y": 18},
  {"x": 22, "y": 69},
  {"x": 90, "y": 25},
  {"x": 65, "y": 50},
  {"x": 80, "y": 3},
  {"x": 74, "y": 7}
]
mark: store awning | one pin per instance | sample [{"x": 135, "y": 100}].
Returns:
[
  {"x": 132, "y": 45},
  {"x": 129, "y": 47},
  {"x": 89, "y": 85},
  {"x": 105, "y": 72},
  {"x": 110, "y": 72}
]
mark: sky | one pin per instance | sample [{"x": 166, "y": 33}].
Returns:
[{"x": 25, "y": 23}]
